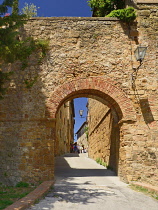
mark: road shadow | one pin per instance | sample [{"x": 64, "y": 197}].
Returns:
[
  {"x": 78, "y": 194},
  {"x": 64, "y": 170},
  {"x": 68, "y": 190}
]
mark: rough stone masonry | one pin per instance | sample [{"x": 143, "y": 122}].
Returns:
[{"x": 91, "y": 57}]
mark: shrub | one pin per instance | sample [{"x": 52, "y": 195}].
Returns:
[
  {"x": 126, "y": 15},
  {"x": 101, "y": 8}
]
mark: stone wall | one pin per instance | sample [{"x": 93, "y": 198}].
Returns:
[
  {"x": 103, "y": 134},
  {"x": 88, "y": 57},
  {"x": 64, "y": 128},
  {"x": 82, "y": 136}
]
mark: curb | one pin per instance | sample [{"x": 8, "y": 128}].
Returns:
[
  {"x": 147, "y": 186},
  {"x": 32, "y": 197}
]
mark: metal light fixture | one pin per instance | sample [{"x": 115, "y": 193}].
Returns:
[
  {"x": 81, "y": 112},
  {"x": 140, "y": 53}
]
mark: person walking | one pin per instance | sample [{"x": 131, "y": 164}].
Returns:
[{"x": 75, "y": 148}]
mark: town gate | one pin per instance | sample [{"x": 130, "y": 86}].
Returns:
[{"x": 92, "y": 57}]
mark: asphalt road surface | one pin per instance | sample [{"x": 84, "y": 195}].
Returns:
[{"x": 82, "y": 184}]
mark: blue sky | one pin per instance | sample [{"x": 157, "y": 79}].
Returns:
[
  {"x": 79, "y": 103},
  {"x": 51, "y": 8}
]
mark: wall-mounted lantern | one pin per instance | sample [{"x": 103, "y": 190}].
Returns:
[
  {"x": 140, "y": 53},
  {"x": 81, "y": 112}
]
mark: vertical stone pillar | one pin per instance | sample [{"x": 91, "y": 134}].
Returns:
[
  {"x": 27, "y": 151},
  {"x": 37, "y": 160},
  {"x": 125, "y": 168}
]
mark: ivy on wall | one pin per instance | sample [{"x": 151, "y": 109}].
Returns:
[{"x": 12, "y": 46}]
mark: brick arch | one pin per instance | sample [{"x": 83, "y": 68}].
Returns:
[{"x": 99, "y": 86}]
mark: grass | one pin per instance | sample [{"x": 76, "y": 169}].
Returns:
[
  {"x": 145, "y": 191},
  {"x": 101, "y": 162},
  {"x": 9, "y": 195}
]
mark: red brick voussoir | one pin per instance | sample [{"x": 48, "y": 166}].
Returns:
[
  {"x": 86, "y": 86},
  {"x": 32, "y": 197}
]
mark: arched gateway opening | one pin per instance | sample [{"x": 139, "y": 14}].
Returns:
[
  {"x": 108, "y": 93},
  {"x": 103, "y": 88}
]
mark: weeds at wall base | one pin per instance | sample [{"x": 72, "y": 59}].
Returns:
[{"x": 145, "y": 191}]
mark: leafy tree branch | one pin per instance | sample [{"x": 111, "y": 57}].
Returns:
[
  {"x": 30, "y": 10},
  {"x": 112, "y": 8},
  {"x": 13, "y": 47},
  {"x": 127, "y": 15}
]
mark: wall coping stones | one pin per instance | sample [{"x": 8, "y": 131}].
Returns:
[
  {"x": 147, "y": 1},
  {"x": 77, "y": 18}
]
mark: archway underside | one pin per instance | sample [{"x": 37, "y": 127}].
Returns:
[{"x": 102, "y": 88}]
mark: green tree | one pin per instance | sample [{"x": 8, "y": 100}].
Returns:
[
  {"x": 101, "y": 8},
  {"x": 30, "y": 10},
  {"x": 15, "y": 7},
  {"x": 4, "y": 6},
  {"x": 12, "y": 46},
  {"x": 7, "y": 34},
  {"x": 112, "y": 8}
]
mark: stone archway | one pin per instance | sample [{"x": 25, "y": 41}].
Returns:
[
  {"x": 35, "y": 150},
  {"x": 105, "y": 90}
]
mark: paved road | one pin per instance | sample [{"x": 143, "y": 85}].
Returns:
[{"x": 82, "y": 184}]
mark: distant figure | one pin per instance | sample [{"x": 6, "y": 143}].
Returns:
[
  {"x": 78, "y": 147},
  {"x": 83, "y": 148},
  {"x": 86, "y": 149},
  {"x": 75, "y": 148}
]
